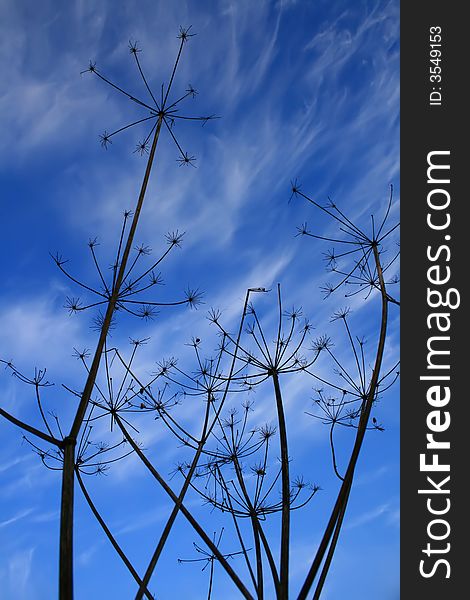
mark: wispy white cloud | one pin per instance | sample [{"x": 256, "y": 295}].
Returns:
[
  {"x": 5, "y": 466},
  {"x": 16, "y": 517},
  {"x": 321, "y": 104},
  {"x": 46, "y": 517},
  {"x": 18, "y": 577},
  {"x": 85, "y": 557},
  {"x": 35, "y": 330},
  {"x": 144, "y": 520},
  {"x": 384, "y": 510}
]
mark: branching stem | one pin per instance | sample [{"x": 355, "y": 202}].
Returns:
[
  {"x": 66, "y": 519},
  {"x": 334, "y": 523}
]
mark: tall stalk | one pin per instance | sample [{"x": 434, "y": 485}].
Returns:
[
  {"x": 68, "y": 480},
  {"x": 256, "y": 536},
  {"x": 206, "y": 431},
  {"x": 334, "y": 524},
  {"x": 286, "y": 495}
]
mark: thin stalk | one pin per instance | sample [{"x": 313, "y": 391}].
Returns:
[
  {"x": 343, "y": 495},
  {"x": 206, "y": 432},
  {"x": 114, "y": 297},
  {"x": 193, "y": 522},
  {"x": 43, "y": 416},
  {"x": 187, "y": 484},
  {"x": 66, "y": 522},
  {"x": 174, "y": 513},
  {"x": 211, "y": 579},
  {"x": 331, "y": 551},
  {"x": 108, "y": 533},
  {"x": 270, "y": 558},
  {"x": 30, "y": 428},
  {"x": 333, "y": 453},
  {"x": 237, "y": 528},
  {"x": 254, "y": 524},
  {"x": 285, "y": 484}
]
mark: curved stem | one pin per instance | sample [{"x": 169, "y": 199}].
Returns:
[
  {"x": 336, "y": 517},
  {"x": 333, "y": 453},
  {"x": 270, "y": 558},
  {"x": 331, "y": 552}
]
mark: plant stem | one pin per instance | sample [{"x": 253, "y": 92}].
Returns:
[
  {"x": 193, "y": 522},
  {"x": 30, "y": 428},
  {"x": 285, "y": 522},
  {"x": 211, "y": 579},
  {"x": 254, "y": 524},
  {"x": 331, "y": 551},
  {"x": 270, "y": 558},
  {"x": 334, "y": 523},
  {"x": 66, "y": 521},
  {"x": 89, "y": 385},
  {"x": 207, "y": 428},
  {"x": 237, "y": 529},
  {"x": 108, "y": 533},
  {"x": 174, "y": 513}
]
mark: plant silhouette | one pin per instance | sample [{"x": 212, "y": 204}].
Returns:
[{"x": 234, "y": 454}]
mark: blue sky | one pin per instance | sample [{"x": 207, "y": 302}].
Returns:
[{"x": 306, "y": 90}]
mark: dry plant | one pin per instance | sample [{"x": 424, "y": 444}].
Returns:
[
  {"x": 353, "y": 395},
  {"x": 230, "y": 459},
  {"x": 69, "y": 448}
]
